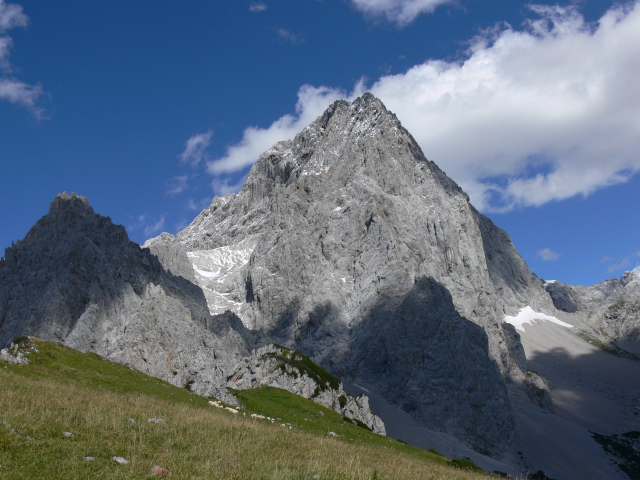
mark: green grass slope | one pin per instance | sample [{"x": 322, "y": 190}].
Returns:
[{"x": 105, "y": 407}]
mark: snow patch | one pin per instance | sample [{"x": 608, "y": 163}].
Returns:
[
  {"x": 529, "y": 315},
  {"x": 219, "y": 272}
]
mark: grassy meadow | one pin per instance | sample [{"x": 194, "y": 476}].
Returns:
[{"x": 105, "y": 408}]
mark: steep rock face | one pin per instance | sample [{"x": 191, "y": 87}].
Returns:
[
  {"x": 350, "y": 219},
  {"x": 611, "y": 307},
  {"x": 171, "y": 255},
  {"x": 279, "y": 367},
  {"x": 77, "y": 279}
]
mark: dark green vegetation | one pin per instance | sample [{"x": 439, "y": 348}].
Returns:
[
  {"x": 466, "y": 464},
  {"x": 305, "y": 414},
  {"x": 305, "y": 366},
  {"x": 357, "y": 422},
  {"x": 625, "y": 448},
  {"x": 105, "y": 408},
  {"x": 622, "y": 307}
]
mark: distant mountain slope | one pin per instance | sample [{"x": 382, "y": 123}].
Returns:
[
  {"x": 611, "y": 308},
  {"x": 77, "y": 279}
]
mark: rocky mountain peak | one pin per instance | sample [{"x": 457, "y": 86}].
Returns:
[
  {"x": 630, "y": 276},
  {"x": 348, "y": 244},
  {"x": 64, "y": 200},
  {"x": 77, "y": 279}
]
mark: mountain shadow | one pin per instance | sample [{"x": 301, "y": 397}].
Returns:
[{"x": 420, "y": 354}]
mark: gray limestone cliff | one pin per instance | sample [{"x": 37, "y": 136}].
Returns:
[
  {"x": 279, "y": 367},
  {"x": 348, "y": 244},
  {"x": 77, "y": 279},
  {"x": 171, "y": 255}
]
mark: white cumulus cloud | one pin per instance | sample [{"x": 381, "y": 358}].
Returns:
[
  {"x": 194, "y": 148},
  {"x": 401, "y": 12},
  {"x": 547, "y": 255},
  {"x": 528, "y": 116},
  {"x": 312, "y": 102},
  {"x": 11, "y": 16}
]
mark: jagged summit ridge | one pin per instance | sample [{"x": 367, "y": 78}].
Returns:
[
  {"x": 334, "y": 145},
  {"x": 64, "y": 199}
]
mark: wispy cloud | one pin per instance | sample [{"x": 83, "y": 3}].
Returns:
[
  {"x": 199, "y": 205},
  {"x": 622, "y": 264},
  {"x": 5, "y": 44},
  {"x": 12, "y": 89},
  {"x": 400, "y": 12},
  {"x": 182, "y": 224},
  {"x": 147, "y": 225},
  {"x": 257, "y": 7},
  {"x": 11, "y": 16},
  {"x": 289, "y": 36},
  {"x": 194, "y": 151},
  {"x": 547, "y": 112},
  {"x": 547, "y": 255},
  {"x": 22, "y": 94},
  {"x": 177, "y": 185},
  {"x": 155, "y": 227},
  {"x": 221, "y": 187}
]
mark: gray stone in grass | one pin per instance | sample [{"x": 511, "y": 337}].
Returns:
[{"x": 120, "y": 460}]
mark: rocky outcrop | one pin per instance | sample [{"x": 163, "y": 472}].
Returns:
[
  {"x": 19, "y": 351},
  {"x": 611, "y": 308},
  {"x": 279, "y": 367},
  {"x": 77, "y": 279},
  {"x": 369, "y": 259},
  {"x": 171, "y": 255}
]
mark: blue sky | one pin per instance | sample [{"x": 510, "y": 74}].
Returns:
[{"x": 149, "y": 108}]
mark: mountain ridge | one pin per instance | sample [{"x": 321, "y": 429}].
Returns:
[{"x": 345, "y": 243}]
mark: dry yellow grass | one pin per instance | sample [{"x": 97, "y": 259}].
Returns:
[{"x": 196, "y": 441}]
